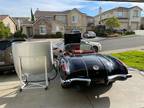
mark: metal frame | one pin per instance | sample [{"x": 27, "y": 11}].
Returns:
[{"x": 36, "y": 84}]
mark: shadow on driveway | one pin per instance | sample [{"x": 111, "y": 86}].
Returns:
[{"x": 56, "y": 97}]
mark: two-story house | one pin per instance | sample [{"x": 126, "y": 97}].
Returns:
[
  {"x": 43, "y": 25},
  {"x": 19, "y": 21},
  {"x": 8, "y": 22},
  {"x": 130, "y": 18},
  {"x": 90, "y": 23},
  {"x": 71, "y": 19}
]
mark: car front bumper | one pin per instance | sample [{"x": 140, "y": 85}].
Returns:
[{"x": 111, "y": 78}]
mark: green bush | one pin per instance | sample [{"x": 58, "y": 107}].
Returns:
[
  {"x": 4, "y": 31},
  {"x": 101, "y": 33},
  {"x": 109, "y": 31},
  {"x": 129, "y": 33},
  {"x": 57, "y": 35},
  {"x": 19, "y": 34}
]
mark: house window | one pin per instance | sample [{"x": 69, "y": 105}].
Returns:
[
  {"x": 49, "y": 18},
  {"x": 136, "y": 13},
  {"x": 42, "y": 29},
  {"x": 61, "y": 18},
  {"x": 120, "y": 14},
  {"x": 57, "y": 29},
  {"x": 74, "y": 19}
]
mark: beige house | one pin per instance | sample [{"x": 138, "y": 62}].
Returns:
[
  {"x": 8, "y": 22},
  {"x": 90, "y": 23},
  {"x": 43, "y": 26},
  {"x": 130, "y": 18},
  {"x": 19, "y": 21},
  {"x": 71, "y": 19}
]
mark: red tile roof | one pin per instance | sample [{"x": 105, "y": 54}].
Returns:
[{"x": 3, "y": 17}]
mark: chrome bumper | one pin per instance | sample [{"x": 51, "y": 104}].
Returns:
[
  {"x": 88, "y": 80},
  {"x": 118, "y": 77}
]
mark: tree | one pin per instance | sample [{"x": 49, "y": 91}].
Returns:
[
  {"x": 4, "y": 31},
  {"x": 32, "y": 16},
  {"x": 19, "y": 34},
  {"x": 112, "y": 23}
]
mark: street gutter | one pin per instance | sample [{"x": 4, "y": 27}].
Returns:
[{"x": 118, "y": 37}]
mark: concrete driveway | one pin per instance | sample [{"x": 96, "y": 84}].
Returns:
[{"x": 122, "y": 94}]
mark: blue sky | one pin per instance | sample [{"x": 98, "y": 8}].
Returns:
[{"x": 22, "y": 7}]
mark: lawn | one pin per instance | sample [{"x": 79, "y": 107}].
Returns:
[{"x": 133, "y": 59}]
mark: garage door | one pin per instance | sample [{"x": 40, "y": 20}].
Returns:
[
  {"x": 134, "y": 26},
  {"x": 124, "y": 25}
]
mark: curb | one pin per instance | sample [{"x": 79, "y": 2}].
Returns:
[
  {"x": 133, "y": 69},
  {"x": 128, "y": 36}
]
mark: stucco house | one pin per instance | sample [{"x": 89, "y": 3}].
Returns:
[
  {"x": 8, "y": 22},
  {"x": 43, "y": 26},
  {"x": 71, "y": 19},
  {"x": 90, "y": 23},
  {"x": 19, "y": 21},
  {"x": 50, "y": 22},
  {"x": 130, "y": 18}
]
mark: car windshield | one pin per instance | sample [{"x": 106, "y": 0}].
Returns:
[
  {"x": 91, "y": 32},
  {"x": 77, "y": 46},
  {"x": 76, "y": 31}
]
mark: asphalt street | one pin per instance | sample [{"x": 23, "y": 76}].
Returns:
[
  {"x": 114, "y": 43},
  {"x": 120, "y": 43}
]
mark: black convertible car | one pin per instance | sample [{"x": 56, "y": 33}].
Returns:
[{"x": 84, "y": 66}]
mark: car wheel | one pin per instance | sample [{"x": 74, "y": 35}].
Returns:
[
  {"x": 95, "y": 48},
  {"x": 65, "y": 85}
]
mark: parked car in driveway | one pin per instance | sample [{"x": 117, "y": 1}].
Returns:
[
  {"x": 89, "y": 34},
  {"x": 80, "y": 65},
  {"x": 6, "y": 61}
]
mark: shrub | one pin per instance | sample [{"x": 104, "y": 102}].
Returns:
[
  {"x": 57, "y": 35},
  {"x": 4, "y": 31},
  {"x": 129, "y": 32},
  {"x": 101, "y": 33},
  {"x": 19, "y": 34}
]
